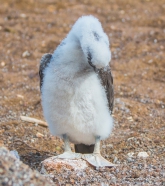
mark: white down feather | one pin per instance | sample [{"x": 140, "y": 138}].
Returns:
[{"x": 73, "y": 99}]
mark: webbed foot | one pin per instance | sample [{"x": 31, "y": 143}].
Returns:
[
  {"x": 69, "y": 155},
  {"x": 97, "y": 160}
]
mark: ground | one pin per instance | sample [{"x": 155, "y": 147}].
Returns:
[{"x": 136, "y": 30}]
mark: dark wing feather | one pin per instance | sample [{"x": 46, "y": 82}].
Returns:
[
  {"x": 45, "y": 60},
  {"x": 107, "y": 81}
]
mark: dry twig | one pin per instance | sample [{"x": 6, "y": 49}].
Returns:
[{"x": 33, "y": 120}]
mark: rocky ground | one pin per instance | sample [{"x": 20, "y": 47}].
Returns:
[
  {"x": 136, "y": 30},
  {"x": 13, "y": 172}
]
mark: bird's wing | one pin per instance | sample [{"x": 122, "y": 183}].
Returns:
[
  {"x": 45, "y": 60},
  {"x": 107, "y": 81}
]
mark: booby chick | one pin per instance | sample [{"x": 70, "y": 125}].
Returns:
[{"x": 77, "y": 91}]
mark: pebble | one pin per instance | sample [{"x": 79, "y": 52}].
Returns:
[
  {"x": 130, "y": 154},
  {"x": 23, "y": 15},
  {"x": 115, "y": 159},
  {"x": 2, "y": 63},
  {"x": 26, "y": 54},
  {"x": 130, "y": 159},
  {"x": 113, "y": 27},
  {"x": 142, "y": 155},
  {"x": 58, "y": 148},
  {"x": 39, "y": 135},
  {"x": 15, "y": 154},
  {"x": 115, "y": 151},
  {"x": 54, "y": 164},
  {"x": 110, "y": 145},
  {"x": 150, "y": 61},
  {"x": 20, "y": 96},
  {"x": 1, "y": 171},
  {"x": 130, "y": 118}
]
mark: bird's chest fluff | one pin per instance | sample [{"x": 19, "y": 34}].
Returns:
[{"x": 73, "y": 102}]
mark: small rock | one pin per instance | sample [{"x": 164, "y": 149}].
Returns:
[
  {"x": 20, "y": 96},
  {"x": 110, "y": 145},
  {"x": 130, "y": 154},
  {"x": 130, "y": 118},
  {"x": 23, "y": 15},
  {"x": 15, "y": 154},
  {"x": 39, "y": 135},
  {"x": 130, "y": 159},
  {"x": 142, "y": 155},
  {"x": 135, "y": 175},
  {"x": 72, "y": 181},
  {"x": 54, "y": 164},
  {"x": 113, "y": 27},
  {"x": 115, "y": 151},
  {"x": 26, "y": 54},
  {"x": 2, "y": 63},
  {"x": 155, "y": 40},
  {"x": 150, "y": 61},
  {"x": 58, "y": 148},
  {"x": 36, "y": 124},
  {"x": 115, "y": 159},
  {"x": 1, "y": 171},
  {"x": 122, "y": 12}
]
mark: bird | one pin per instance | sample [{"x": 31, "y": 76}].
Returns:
[{"x": 77, "y": 91}]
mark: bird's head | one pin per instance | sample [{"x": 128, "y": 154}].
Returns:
[{"x": 93, "y": 41}]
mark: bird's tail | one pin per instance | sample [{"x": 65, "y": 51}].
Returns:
[{"x": 84, "y": 149}]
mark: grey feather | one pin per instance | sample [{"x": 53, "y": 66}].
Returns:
[
  {"x": 45, "y": 60},
  {"x": 107, "y": 81}
]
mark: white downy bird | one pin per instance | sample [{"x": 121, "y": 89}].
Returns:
[{"x": 77, "y": 91}]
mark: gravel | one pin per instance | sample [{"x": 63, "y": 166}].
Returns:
[
  {"x": 15, "y": 173},
  {"x": 136, "y": 172}
]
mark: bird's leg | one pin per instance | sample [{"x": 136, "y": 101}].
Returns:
[
  {"x": 68, "y": 154},
  {"x": 96, "y": 159},
  {"x": 97, "y": 145},
  {"x": 66, "y": 143}
]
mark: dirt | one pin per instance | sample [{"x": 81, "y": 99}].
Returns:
[{"x": 136, "y": 30}]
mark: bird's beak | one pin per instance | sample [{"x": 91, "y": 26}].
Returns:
[{"x": 90, "y": 63}]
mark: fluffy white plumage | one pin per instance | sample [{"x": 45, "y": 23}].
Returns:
[{"x": 74, "y": 101}]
